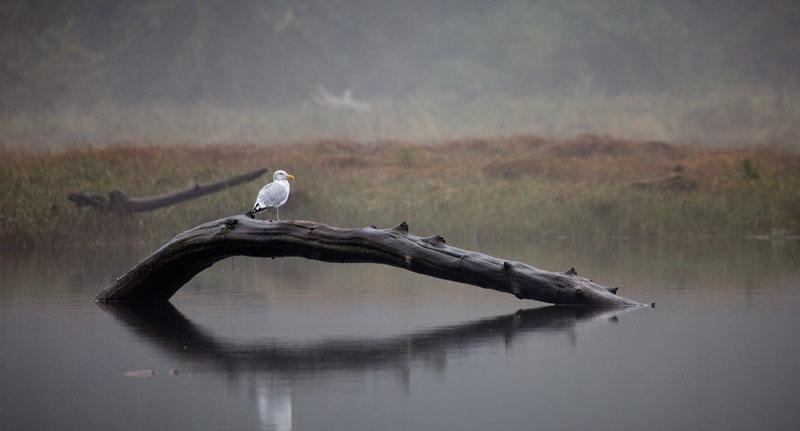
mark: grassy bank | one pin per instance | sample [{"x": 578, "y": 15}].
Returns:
[{"x": 520, "y": 187}]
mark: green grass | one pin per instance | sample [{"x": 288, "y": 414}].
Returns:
[{"x": 520, "y": 187}]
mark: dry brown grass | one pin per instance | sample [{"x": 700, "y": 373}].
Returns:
[{"x": 516, "y": 186}]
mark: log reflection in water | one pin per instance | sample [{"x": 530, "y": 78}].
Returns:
[{"x": 167, "y": 328}]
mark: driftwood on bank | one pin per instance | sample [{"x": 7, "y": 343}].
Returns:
[
  {"x": 119, "y": 201},
  {"x": 159, "y": 276}
]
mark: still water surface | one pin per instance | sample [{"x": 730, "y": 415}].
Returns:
[{"x": 292, "y": 344}]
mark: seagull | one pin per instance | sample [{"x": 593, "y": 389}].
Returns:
[{"x": 272, "y": 195}]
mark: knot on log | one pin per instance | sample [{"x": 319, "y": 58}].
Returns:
[
  {"x": 571, "y": 271},
  {"x": 119, "y": 194},
  {"x": 507, "y": 267},
  {"x": 86, "y": 199},
  {"x": 118, "y": 200},
  {"x": 230, "y": 224},
  {"x": 434, "y": 240},
  {"x": 402, "y": 228}
]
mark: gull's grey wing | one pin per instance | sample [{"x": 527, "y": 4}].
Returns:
[{"x": 269, "y": 195}]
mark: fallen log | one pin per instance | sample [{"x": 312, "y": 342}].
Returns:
[
  {"x": 119, "y": 201},
  {"x": 160, "y": 275}
]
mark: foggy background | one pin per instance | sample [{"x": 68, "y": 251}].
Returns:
[{"x": 713, "y": 71}]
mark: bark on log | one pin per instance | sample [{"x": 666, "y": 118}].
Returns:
[
  {"x": 119, "y": 201},
  {"x": 159, "y": 276}
]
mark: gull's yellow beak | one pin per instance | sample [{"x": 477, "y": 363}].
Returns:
[{"x": 290, "y": 176}]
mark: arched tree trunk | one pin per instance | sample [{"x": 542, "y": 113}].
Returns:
[{"x": 160, "y": 275}]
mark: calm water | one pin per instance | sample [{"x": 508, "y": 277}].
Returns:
[{"x": 292, "y": 344}]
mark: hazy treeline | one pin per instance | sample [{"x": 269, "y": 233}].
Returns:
[{"x": 258, "y": 52}]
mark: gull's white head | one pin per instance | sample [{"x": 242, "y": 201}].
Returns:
[{"x": 281, "y": 175}]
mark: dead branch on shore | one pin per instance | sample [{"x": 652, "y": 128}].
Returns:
[{"x": 118, "y": 201}]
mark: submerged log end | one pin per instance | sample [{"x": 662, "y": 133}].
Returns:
[{"x": 558, "y": 288}]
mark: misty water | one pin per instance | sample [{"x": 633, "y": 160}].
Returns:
[{"x": 295, "y": 344}]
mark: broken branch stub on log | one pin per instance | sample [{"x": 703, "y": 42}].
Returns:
[
  {"x": 160, "y": 275},
  {"x": 119, "y": 201}
]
